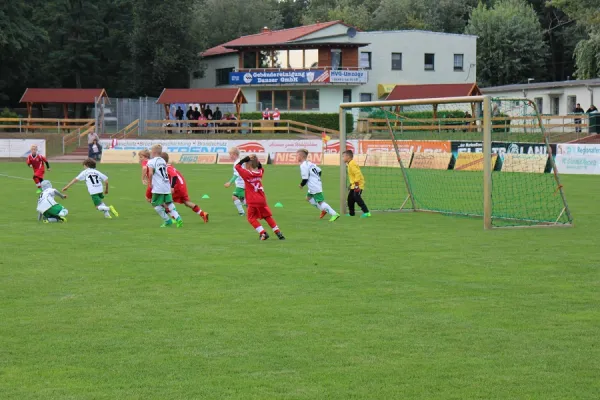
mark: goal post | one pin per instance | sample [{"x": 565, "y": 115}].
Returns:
[{"x": 473, "y": 156}]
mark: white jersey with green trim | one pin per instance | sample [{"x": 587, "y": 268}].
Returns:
[
  {"x": 160, "y": 177},
  {"x": 312, "y": 173},
  {"x": 94, "y": 180},
  {"x": 46, "y": 200},
  {"x": 239, "y": 182}
]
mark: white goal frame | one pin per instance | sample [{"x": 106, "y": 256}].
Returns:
[{"x": 486, "y": 127}]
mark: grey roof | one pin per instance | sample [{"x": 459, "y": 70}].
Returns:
[
  {"x": 418, "y": 31},
  {"x": 541, "y": 85}
]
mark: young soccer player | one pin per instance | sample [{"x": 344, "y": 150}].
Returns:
[
  {"x": 162, "y": 199},
  {"x": 357, "y": 185},
  {"x": 144, "y": 157},
  {"x": 48, "y": 209},
  {"x": 239, "y": 195},
  {"x": 97, "y": 185},
  {"x": 179, "y": 189},
  {"x": 37, "y": 162},
  {"x": 311, "y": 176},
  {"x": 257, "y": 201}
]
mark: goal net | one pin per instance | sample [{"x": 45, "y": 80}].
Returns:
[{"x": 468, "y": 156}]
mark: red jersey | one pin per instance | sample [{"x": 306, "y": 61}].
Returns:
[
  {"x": 255, "y": 193},
  {"x": 180, "y": 185},
  {"x": 38, "y": 163}
]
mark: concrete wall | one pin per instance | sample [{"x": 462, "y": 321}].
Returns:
[{"x": 210, "y": 65}]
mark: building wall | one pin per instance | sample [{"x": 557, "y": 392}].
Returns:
[
  {"x": 330, "y": 97},
  {"x": 581, "y": 94},
  {"x": 210, "y": 65}
]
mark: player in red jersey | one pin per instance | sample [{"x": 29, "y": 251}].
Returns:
[
  {"x": 37, "y": 162},
  {"x": 179, "y": 189},
  {"x": 255, "y": 196},
  {"x": 144, "y": 156}
]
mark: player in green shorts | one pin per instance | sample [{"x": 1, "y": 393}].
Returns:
[
  {"x": 239, "y": 194},
  {"x": 97, "y": 185},
  {"x": 311, "y": 177},
  {"x": 48, "y": 209},
  {"x": 160, "y": 185}
]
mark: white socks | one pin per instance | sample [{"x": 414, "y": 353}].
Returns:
[
  {"x": 63, "y": 213},
  {"x": 259, "y": 229},
  {"x": 238, "y": 205},
  {"x": 173, "y": 211},
  {"x": 327, "y": 208},
  {"x": 161, "y": 212},
  {"x": 313, "y": 202}
]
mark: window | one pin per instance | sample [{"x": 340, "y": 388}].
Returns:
[
  {"x": 571, "y": 104},
  {"x": 396, "y": 61},
  {"x": 280, "y": 59},
  {"x": 347, "y": 96},
  {"x": 555, "y": 105},
  {"x": 249, "y": 60},
  {"x": 429, "y": 61},
  {"x": 264, "y": 59},
  {"x": 312, "y": 99},
  {"x": 366, "y": 96},
  {"x": 459, "y": 62},
  {"x": 539, "y": 102},
  {"x": 336, "y": 58},
  {"x": 311, "y": 58},
  {"x": 288, "y": 100},
  {"x": 295, "y": 59},
  {"x": 223, "y": 76},
  {"x": 365, "y": 59}
]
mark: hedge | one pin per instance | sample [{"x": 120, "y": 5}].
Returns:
[
  {"x": 325, "y": 120},
  {"x": 6, "y": 113}
]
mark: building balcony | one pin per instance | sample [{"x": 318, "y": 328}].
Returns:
[{"x": 326, "y": 75}]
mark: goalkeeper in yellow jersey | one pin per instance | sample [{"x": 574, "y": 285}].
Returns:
[{"x": 357, "y": 185}]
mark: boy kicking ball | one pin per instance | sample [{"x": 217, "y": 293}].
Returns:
[
  {"x": 257, "y": 201},
  {"x": 311, "y": 176},
  {"x": 357, "y": 185},
  {"x": 97, "y": 185},
  {"x": 48, "y": 209}
]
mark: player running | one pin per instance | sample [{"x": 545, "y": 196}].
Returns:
[
  {"x": 48, "y": 209},
  {"x": 162, "y": 199},
  {"x": 179, "y": 189},
  {"x": 239, "y": 194},
  {"x": 97, "y": 185},
  {"x": 257, "y": 201},
  {"x": 311, "y": 176},
  {"x": 37, "y": 162}
]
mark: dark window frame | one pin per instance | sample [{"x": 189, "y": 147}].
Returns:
[
  {"x": 429, "y": 66},
  {"x": 397, "y": 69}
]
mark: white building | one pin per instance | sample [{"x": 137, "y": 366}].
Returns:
[
  {"x": 316, "y": 67},
  {"x": 553, "y": 98}
]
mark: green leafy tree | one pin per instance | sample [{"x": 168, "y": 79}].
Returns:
[
  {"x": 400, "y": 14},
  {"x": 511, "y": 45}
]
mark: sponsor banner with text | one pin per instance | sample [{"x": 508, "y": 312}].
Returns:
[
  {"x": 578, "y": 159},
  {"x": 171, "y": 146},
  {"x": 226, "y": 159},
  {"x": 17, "y": 148},
  {"x": 292, "y": 158},
  {"x": 120, "y": 157},
  {"x": 193, "y": 158},
  {"x": 415, "y": 146},
  {"x": 502, "y": 148}
]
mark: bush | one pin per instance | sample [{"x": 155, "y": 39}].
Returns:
[
  {"x": 6, "y": 113},
  {"x": 324, "y": 120}
]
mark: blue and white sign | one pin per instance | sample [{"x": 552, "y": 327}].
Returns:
[
  {"x": 297, "y": 77},
  {"x": 348, "y": 76}
]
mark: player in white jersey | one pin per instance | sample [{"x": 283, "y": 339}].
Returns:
[
  {"x": 159, "y": 182},
  {"x": 97, "y": 185},
  {"x": 311, "y": 177},
  {"x": 48, "y": 209},
  {"x": 239, "y": 194}
]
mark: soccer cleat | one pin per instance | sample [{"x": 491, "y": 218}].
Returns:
[
  {"x": 179, "y": 222},
  {"x": 38, "y": 191},
  {"x": 242, "y": 214},
  {"x": 166, "y": 224},
  {"x": 280, "y": 235},
  {"x": 264, "y": 236},
  {"x": 62, "y": 219},
  {"x": 107, "y": 216},
  {"x": 323, "y": 213},
  {"x": 334, "y": 218},
  {"x": 114, "y": 211},
  {"x": 366, "y": 215},
  {"x": 204, "y": 217},
  {"x": 349, "y": 215}
]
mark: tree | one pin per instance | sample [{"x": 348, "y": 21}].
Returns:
[
  {"x": 399, "y": 14},
  {"x": 164, "y": 51},
  {"x": 20, "y": 42},
  {"x": 511, "y": 45},
  {"x": 291, "y": 12},
  {"x": 587, "y": 50}
]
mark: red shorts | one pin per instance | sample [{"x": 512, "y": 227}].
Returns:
[
  {"x": 259, "y": 212},
  {"x": 180, "y": 196},
  {"x": 148, "y": 193},
  {"x": 39, "y": 173}
]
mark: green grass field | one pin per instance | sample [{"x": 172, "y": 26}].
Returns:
[{"x": 399, "y": 306}]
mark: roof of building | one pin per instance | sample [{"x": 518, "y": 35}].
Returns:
[
  {"x": 85, "y": 96},
  {"x": 269, "y": 38},
  {"x": 541, "y": 85},
  {"x": 433, "y": 91},
  {"x": 202, "y": 96}
]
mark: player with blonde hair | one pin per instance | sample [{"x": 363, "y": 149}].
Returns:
[
  {"x": 144, "y": 157},
  {"x": 158, "y": 181},
  {"x": 239, "y": 194}
]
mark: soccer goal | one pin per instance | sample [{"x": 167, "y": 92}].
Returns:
[{"x": 474, "y": 156}]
